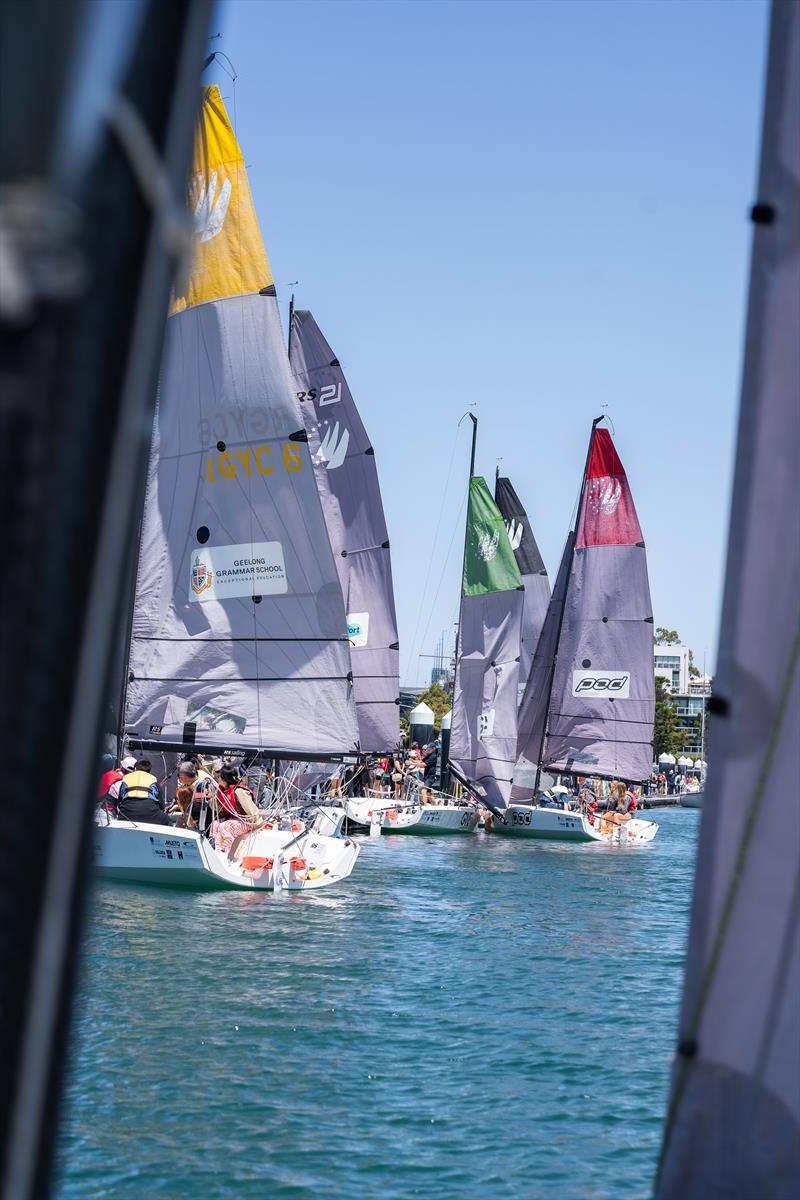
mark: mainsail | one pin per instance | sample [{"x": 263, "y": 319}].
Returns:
[
  {"x": 239, "y": 634},
  {"x": 484, "y": 728},
  {"x": 733, "y": 1127},
  {"x": 347, "y": 480},
  {"x": 531, "y": 568},
  {"x": 590, "y": 700}
]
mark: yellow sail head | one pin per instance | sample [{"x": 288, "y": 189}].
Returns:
[{"x": 228, "y": 257}]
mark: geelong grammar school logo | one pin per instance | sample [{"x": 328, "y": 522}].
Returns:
[{"x": 201, "y": 576}]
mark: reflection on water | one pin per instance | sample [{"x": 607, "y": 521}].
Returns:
[{"x": 452, "y": 1021}]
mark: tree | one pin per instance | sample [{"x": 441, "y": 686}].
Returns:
[
  {"x": 667, "y": 637},
  {"x": 437, "y": 699},
  {"x": 665, "y": 731},
  {"x": 693, "y": 670}
]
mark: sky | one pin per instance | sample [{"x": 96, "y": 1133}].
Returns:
[{"x": 537, "y": 212}]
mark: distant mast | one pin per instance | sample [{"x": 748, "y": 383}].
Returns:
[{"x": 589, "y": 703}]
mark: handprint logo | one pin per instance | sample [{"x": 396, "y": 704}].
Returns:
[
  {"x": 514, "y": 530},
  {"x": 333, "y": 447},
  {"x": 210, "y": 210}
]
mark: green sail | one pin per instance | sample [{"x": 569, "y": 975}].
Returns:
[{"x": 489, "y": 562}]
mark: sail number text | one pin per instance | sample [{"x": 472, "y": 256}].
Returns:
[{"x": 251, "y": 461}]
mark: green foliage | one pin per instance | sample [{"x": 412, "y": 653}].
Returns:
[
  {"x": 437, "y": 699},
  {"x": 667, "y": 637},
  {"x": 666, "y": 738}
]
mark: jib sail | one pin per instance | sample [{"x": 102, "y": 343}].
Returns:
[
  {"x": 531, "y": 568},
  {"x": 347, "y": 480}
]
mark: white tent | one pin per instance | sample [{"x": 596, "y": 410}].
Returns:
[{"x": 666, "y": 760}]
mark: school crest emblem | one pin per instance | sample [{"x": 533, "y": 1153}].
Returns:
[{"x": 201, "y": 576}]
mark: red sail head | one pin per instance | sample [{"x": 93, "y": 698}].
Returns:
[{"x": 608, "y": 516}]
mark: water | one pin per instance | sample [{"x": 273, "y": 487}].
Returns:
[{"x": 464, "y": 1017}]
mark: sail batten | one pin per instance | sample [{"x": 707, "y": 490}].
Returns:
[
  {"x": 347, "y": 481},
  {"x": 239, "y": 634}
]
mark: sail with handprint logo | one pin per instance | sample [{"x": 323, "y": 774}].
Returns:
[
  {"x": 484, "y": 724},
  {"x": 239, "y": 633},
  {"x": 531, "y": 568},
  {"x": 347, "y": 479}
]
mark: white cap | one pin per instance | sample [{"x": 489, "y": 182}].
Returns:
[{"x": 128, "y": 763}]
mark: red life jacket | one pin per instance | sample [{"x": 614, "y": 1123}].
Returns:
[
  {"x": 106, "y": 781},
  {"x": 228, "y": 802}
]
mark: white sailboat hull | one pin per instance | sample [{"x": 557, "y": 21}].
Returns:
[
  {"x": 691, "y": 800},
  {"x": 359, "y": 810},
  {"x": 156, "y": 854},
  {"x": 430, "y": 819},
  {"x": 556, "y": 824}
]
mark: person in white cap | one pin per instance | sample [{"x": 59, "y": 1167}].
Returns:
[{"x": 108, "y": 788}]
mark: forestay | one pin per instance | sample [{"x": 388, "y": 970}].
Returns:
[
  {"x": 484, "y": 728},
  {"x": 590, "y": 700},
  {"x": 733, "y": 1128},
  {"x": 347, "y": 480},
  {"x": 239, "y": 634},
  {"x": 531, "y": 568}
]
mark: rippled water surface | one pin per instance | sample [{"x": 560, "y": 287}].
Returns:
[{"x": 466, "y": 1016}]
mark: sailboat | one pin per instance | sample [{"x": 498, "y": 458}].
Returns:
[
  {"x": 733, "y": 1122},
  {"x": 347, "y": 481},
  {"x": 239, "y": 640},
  {"x": 589, "y": 702}
]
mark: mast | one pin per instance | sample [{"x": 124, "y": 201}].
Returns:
[
  {"x": 291, "y": 317},
  {"x": 573, "y": 535},
  {"x": 474, "y": 420}
]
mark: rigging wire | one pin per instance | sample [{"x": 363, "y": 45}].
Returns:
[
  {"x": 421, "y": 607},
  {"x": 445, "y": 565}
]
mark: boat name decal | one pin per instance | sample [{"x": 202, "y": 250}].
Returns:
[
  {"x": 222, "y": 572},
  {"x": 595, "y": 683}
]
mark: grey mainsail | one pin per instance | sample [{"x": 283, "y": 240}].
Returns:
[
  {"x": 531, "y": 568},
  {"x": 239, "y": 635},
  {"x": 733, "y": 1127},
  {"x": 484, "y": 723},
  {"x": 347, "y": 480},
  {"x": 589, "y": 703}
]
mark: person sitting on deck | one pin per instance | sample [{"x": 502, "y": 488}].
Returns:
[
  {"x": 238, "y": 811},
  {"x": 140, "y": 797},
  {"x": 632, "y": 803}
]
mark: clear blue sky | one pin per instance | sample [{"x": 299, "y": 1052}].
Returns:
[{"x": 535, "y": 208}]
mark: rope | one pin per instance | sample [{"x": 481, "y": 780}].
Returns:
[{"x": 733, "y": 888}]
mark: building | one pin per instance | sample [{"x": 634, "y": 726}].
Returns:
[
  {"x": 672, "y": 665},
  {"x": 689, "y": 696}
]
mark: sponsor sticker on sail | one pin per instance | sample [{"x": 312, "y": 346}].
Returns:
[
  {"x": 358, "y": 628},
  {"x": 594, "y": 685},
  {"x": 224, "y": 572},
  {"x": 486, "y": 723}
]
